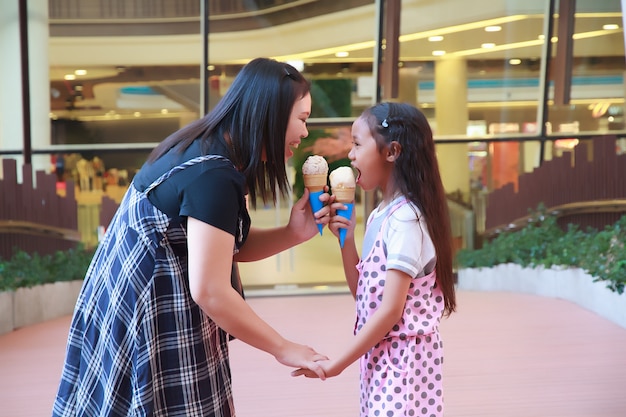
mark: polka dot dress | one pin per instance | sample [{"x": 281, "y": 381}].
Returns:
[{"x": 402, "y": 374}]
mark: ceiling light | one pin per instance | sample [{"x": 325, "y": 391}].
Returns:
[
  {"x": 341, "y": 54},
  {"x": 488, "y": 45},
  {"x": 437, "y": 38},
  {"x": 80, "y": 72},
  {"x": 612, "y": 26},
  {"x": 297, "y": 64},
  {"x": 164, "y": 111},
  {"x": 439, "y": 53},
  {"x": 515, "y": 61},
  {"x": 69, "y": 77},
  {"x": 493, "y": 28}
]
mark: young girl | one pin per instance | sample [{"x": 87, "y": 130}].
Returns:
[{"x": 404, "y": 283}]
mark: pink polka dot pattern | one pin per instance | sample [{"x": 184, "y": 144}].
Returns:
[{"x": 402, "y": 374}]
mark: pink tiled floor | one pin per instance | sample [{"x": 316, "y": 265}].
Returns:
[{"x": 507, "y": 355}]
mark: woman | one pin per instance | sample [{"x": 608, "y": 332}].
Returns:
[{"x": 162, "y": 295}]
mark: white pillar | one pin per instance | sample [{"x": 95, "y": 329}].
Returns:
[
  {"x": 11, "y": 116},
  {"x": 408, "y": 85},
  {"x": 10, "y": 79},
  {"x": 452, "y": 115},
  {"x": 38, "y": 39}
]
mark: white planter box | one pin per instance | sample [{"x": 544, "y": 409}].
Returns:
[
  {"x": 60, "y": 298},
  {"x": 570, "y": 284},
  {"x": 6, "y": 311},
  {"x": 27, "y": 306}
]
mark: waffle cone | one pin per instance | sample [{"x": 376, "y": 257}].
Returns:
[
  {"x": 344, "y": 195},
  {"x": 315, "y": 182}
]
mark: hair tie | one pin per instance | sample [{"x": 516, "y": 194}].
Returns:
[{"x": 384, "y": 123}]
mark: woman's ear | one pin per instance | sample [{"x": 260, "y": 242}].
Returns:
[{"x": 393, "y": 151}]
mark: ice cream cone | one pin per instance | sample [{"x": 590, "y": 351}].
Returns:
[
  {"x": 347, "y": 213},
  {"x": 315, "y": 182},
  {"x": 315, "y": 175},
  {"x": 344, "y": 195},
  {"x": 316, "y": 204}
]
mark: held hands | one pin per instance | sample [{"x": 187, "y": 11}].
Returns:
[
  {"x": 304, "y": 358},
  {"x": 329, "y": 367},
  {"x": 303, "y": 222}
]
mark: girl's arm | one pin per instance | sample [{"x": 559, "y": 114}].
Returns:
[
  {"x": 378, "y": 325},
  {"x": 210, "y": 262},
  {"x": 350, "y": 259},
  {"x": 302, "y": 226}
]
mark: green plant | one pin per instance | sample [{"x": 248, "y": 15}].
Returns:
[
  {"x": 602, "y": 254},
  {"x": 27, "y": 270}
]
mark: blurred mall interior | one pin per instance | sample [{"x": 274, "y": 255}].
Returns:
[{"x": 505, "y": 84}]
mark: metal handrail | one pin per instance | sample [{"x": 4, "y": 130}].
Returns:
[
  {"x": 563, "y": 210},
  {"x": 38, "y": 229}
]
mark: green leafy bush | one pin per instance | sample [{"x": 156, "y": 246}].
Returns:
[
  {"x": 27, "y": 270},
  {"x": 602, "y": 254}
]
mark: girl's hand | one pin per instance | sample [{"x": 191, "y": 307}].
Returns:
[
  {"x": 329, "y": 367},
  {"x": 303, "y": 222},
  {"x": 339, "y": 222}
]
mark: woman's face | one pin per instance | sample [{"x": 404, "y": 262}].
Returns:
[{"x": 296, "y": 128}]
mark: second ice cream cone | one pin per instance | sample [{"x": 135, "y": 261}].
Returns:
[
  {"x": 344, "y": 195},
  {"x": 347, "y": 213}
]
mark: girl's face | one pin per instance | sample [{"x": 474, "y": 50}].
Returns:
[
  {"x": 296, "y": 128},
  {"x": 372, "y": 168}
]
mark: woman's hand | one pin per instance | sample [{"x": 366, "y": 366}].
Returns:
[{"x": 303, "y": 222}]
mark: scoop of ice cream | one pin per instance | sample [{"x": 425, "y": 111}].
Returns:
[
  {"x": 342, "y": 177},
  {"x": 315, "y": 165}
]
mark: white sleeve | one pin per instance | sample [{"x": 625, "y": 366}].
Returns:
[{"x": 408, "y": 243}]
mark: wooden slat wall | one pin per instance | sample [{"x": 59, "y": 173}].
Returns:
[
  {"x": 595, "y": 175},
  {"x": 128, "y": 9},
  {"x": 38, "y": 205}
]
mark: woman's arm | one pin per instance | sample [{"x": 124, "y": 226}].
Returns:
[
  {"x": 378, "y": 325},
  {"x": 302, "y": 226},
  {"x": 210, "y": 262}
]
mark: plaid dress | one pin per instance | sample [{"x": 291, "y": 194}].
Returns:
[{"x": 138, "y": 343}]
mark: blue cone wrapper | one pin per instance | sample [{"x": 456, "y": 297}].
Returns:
[
  {"x": 347, "y": 213},
  {"x": 316, "y": 204}
]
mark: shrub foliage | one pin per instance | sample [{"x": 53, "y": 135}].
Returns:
[
  {"x": 542, "y": 243},
  {"x": 27, "y": 270}
]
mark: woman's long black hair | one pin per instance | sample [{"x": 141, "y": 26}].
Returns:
[
  {"x": 253, "y": 114},
  {"x": 417, "y": 176}
]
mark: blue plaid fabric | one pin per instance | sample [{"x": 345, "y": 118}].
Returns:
[{"x": 138, "y": 344}]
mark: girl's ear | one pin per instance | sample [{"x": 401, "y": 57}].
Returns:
[{"x": 393, "y": 151}]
